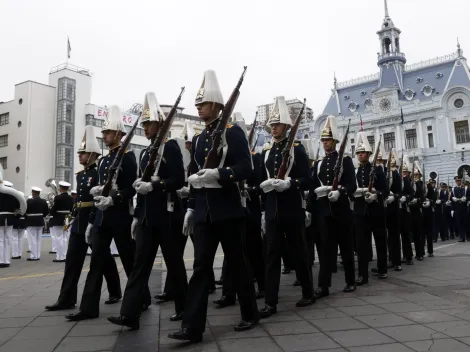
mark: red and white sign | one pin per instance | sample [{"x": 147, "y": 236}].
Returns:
[{"x": 102, "y": 114}]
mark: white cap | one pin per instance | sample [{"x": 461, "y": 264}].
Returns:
[
  {"x": 362, "y": 143},
  {"x": 237, "y": 119},
  {"x": 406, "y": 164},
  {"x": 394, "y": 157},
  {"x": 89, "y": 142},
  {"x": 280, "y": 114},
  {"x": 210, "y": 90},
  {"x": 114, "y": 120},
  {"x": 7, "y": 183},
  {"x": 73, "y": 191},
  {"x": 330, "y": 129},
  {"x": 36, "y": 189},
  {"x": 64, "y": 184},
  {"x": 188, "y": 131},
  {"x": 152, "y": 110},
  {"x": 417, "y": 169}
]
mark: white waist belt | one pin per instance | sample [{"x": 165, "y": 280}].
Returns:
[
  {"x": 322, "y": 191},
  {"x": 63, "y": 212},
  {"x": 5, "y": 213},
  {"x": 34, "y": 215},
  {"x": 361, "y": 192}
]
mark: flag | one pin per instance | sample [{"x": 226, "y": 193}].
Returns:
[
  {"x": 360, "y": 124},
  {"x": 402, "y": 119},
  {"x": 69, "y": 48}
]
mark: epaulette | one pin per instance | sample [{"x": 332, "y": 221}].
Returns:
[
  {"x": 297, "y": 144},
  {"x": 229, "y": 125},
  {"x": 267, "y": 148},
  {"x": 197, "y": 134},
  {"x": 127, "y": 150},
  {"x": 79, "y": 172}
]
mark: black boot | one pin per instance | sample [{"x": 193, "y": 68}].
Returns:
[
  {"x": 121, "y": 320},
  {"x": 321, "y": 292},
  {"x": 360, "y": 281},
  {"x": 185, "y": 335},
  {"x": 267, "y": 311}
]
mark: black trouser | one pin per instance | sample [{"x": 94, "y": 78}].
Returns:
[
  {"x": 76, "y": 254},
  {"x": 334, "y": 231},
  {"x": 450, "y": 222},
  {"x": 393, "y": 227},
  {"x": 177, "y": 232},
  {"x": 90, "y": 304},
  {"x": 428, "y": 222},
  {"x": 364, "y": 226},
  {"x": 286, "y": 254},
  {"x": 255, "y": 249},
  {"x": 460, "y": 221},
  {"x": 231, "y": 233},
  {"x": 294, "y": 230},
  {"x": 148, "y": 239},
  {"x": 405, "y": 221},
  {"x": 310, "y": 239},
  {"x": 417, "y": 231},
  {"x": 441, "y": 223}
]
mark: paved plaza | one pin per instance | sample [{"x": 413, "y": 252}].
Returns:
[{"x": 426, "y": 307}]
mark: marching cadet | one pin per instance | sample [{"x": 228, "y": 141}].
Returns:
[
  {"x": 112, "y": 220},
  {"x": 440, "y": 213},
  {"x": 12, "y": 202},
  {"x": 393, "y": 213},
  {"x": 369, "y": 212},
  {"x": 428, "y": 216},
  {"x": 37, "y": 210},
  {"x": 17, "y": 233},
  {"x": 416, "y": 215},
  {"x": 334, "y": 216},
  {"x": 154, "y": 217},
  {"x": 80, "y": 237},
  {"x": 215, "y": 214},
  {"x": 284, "y": 209},
  {"x": 62, "y": 207},
  {"x": 450, "y": 215},
  {"x": 459, "y": 206},
  {"x": 405, "y": 219}
]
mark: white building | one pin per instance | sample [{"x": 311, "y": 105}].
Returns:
[
  {"x": 42, "y": 127},
  {"x": 294, "y": 106}
]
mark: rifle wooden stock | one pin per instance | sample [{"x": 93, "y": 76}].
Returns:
[
  {"x": 374, "y": 166},
  {"x": 252, "y": 134},
  {"x": 159, "y": 141},
  {"x": 389, "y": 170},
  {"x": 339, "y": 162},
  {"x": 214, "y": 157}
]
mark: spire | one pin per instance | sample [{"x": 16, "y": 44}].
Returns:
[
  {"x": 335, "y": 81},
  {"x": 386, "y": 9},
  {"x": 459, "y": 50}
]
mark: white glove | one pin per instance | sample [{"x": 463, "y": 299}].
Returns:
[
  {"x": 188, "y": 225},
  {"x": 103, "y": 203},
  {"x": 426, "y": 204},
  {"x": 135, "y": 223},
  {"x": 183, "y": 192},
  {"x": 142, "y": 187},
  {"x": 308, "y": 219},
  {"x": 414, "y": 201},
  {"x": 402, "y": 199},
  {"x": 333, "y": 196},
  {"x": 88, "y": 233},
  {"x": 390, "y": 199},
  {"x": 370, "y": 197},
  {"x": 281, "y": 185},
  {"x": 448, "y": 203},
  {"x": 452, "y": 213},
  {"x": 438, "y": 201},
  {"x": 463, "y": 199},
  {"x": 455, "y": 199},
  {"x": 267, "y": 185},
  {"x": 96, "y": 191},
  {"x": 209, "y": 178},
  {"x": 263, "y": 223}
]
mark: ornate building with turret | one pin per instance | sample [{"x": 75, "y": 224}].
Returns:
[{"x": 433, "y": 96}]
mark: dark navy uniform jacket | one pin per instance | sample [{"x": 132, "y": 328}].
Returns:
[
  {"x": 36, "y": 205},
  {"x": 326, "y": 176},
  {"x": 418, "y": 194},
  {"x": 119, "y": 213},
  {"x": 290, "y": 203},
  {"x": 19, "y": 222},
  {"x": 460, "y": 208},
  {"x": 253, "y": 202},
  {"x": 396, "y": 189},
  {"x": 361, "y": 207},
  {"x": 62, "y": 203},
  {"x": 83, "y": 212},
  {"x": 152, "y": 208},
  {"x": 220, "y": 204},
  {"x": 8, "y": 204}
]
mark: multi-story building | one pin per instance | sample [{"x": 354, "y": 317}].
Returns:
[
  {"x": 433, "y": 95},
  {"x": 294, "y": 106}
]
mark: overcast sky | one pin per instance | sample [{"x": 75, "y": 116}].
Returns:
[{"x": 291, "y": 47}]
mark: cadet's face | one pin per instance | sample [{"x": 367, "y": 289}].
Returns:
[
  {"x": 150, "y": 129},
  {"x": 362, "y": 157},
  {"x": 278, "y": 130},
  {"x": 458, "y": 182},
  {"x": 83, "y": 158},
  {"x": 187, "y": 145},
  {"x": 206, "y": 111},
  {"x": 406, "y": 174},
  {"x": 329, "y": 145},
  {"x": 110, "y": 137}
]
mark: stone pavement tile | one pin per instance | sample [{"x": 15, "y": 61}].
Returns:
[
  {"x": 330, "y": 350},
  {"x": 48, "y": 321},
  {"x": 383, "y": 320},
  {"x": 317, "y": 305},
  {"x": 394, "y": 347},
  {"x": 200, "y": 347},
  {"x": 345, "y": 302},
  {"x": 227, "y": 332},
  {"x": 443, "y": 304},
  {"x": 8, "y": 333},
  {"x": 418, "y": 296},
  {"x": 459, "y": 328},
  {"x": 305, "y": 342},
  {"x": 44, "y": 332},
  {"x": 428, "y": 316},
  {"x": 438, "y": 346},
  {"x": 95, "y": 330},
  {"x": 458, "y": 313},
  {"x": 362, "y": 337},
  {"x": 144, "y": 339},
  {"x": 212, "y": 310},
  {"x": 15, "y": 322},
  {"x": 382, "y": 299},
  {"x": 28, "y": 345},
  {"x": 289, "y": 328},
  {"x": 261, "y": 344},
  {"x": 20, "y": 313},
  {"x": 336, "y": 324},
  {"x": 99, "y": 321},
  {"x": 402, "y": 307},
  {"x": 465, "y": 340},
  {"x": 355, "y": 311},
  {"x": 321, "y": 313},
  {"x": 166, "y": 324},
  {"x": 409, "y": 333},
  {"x": 223, "y": 320},
  {"x": 283, "y": 316},
  {"x": 88, "y": 343}
]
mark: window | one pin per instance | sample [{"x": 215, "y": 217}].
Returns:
[
  {"x": 431, "y": 140},
  {"x": 353, "y": 150},
  {"x": 68, "y": 134},
  {"x": 429, "y": 128},
  {"x": 389, "y": 141},
  {"x": 67, "y": 177},
  {"x": 411, "y": 139},
  {"x": 461, "y": 132},
  {"x": 4, "y": 119},
  {"x": 4, "y": 140},
  {"x": 19, "y": 123},
  {"x": 371, "y": 140},
  {"x": 458, "y": 103},
  {"x": 4, "y": 163},
  {"x": 68, "y": 157},
  {"x": 18, "y": 147}
]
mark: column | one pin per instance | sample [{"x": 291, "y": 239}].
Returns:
[{"x": 419, "y": 132}]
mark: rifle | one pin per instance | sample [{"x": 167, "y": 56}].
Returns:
[
  {"x": 374, "y": 165},
  {"x": 389, "y": 170},
  {"x": 317, "y": 157},
  {"x": 290, "y": 142},
  {"x": 117, "y": 160},
  {"x": 213, "y": 157},
  {"x": 425, "y": 188},
  {"x": 412, "y": 177},
  {"x": 339, "y": 162},
  {"x": 155, "y": 157},
  {"x": 252, "y": 134}
]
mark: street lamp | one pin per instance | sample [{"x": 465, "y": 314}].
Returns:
[{"x": 463, "y": 155}]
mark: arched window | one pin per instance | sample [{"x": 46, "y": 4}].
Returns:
[
  {"x": 387, "y": 45},
  {"x": 397, "y": 44}
]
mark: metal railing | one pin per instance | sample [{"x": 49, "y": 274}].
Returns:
[{"x": 71, "y": 68}]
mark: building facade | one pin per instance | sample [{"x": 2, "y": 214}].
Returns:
[{"x": 432, "y": 96}]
